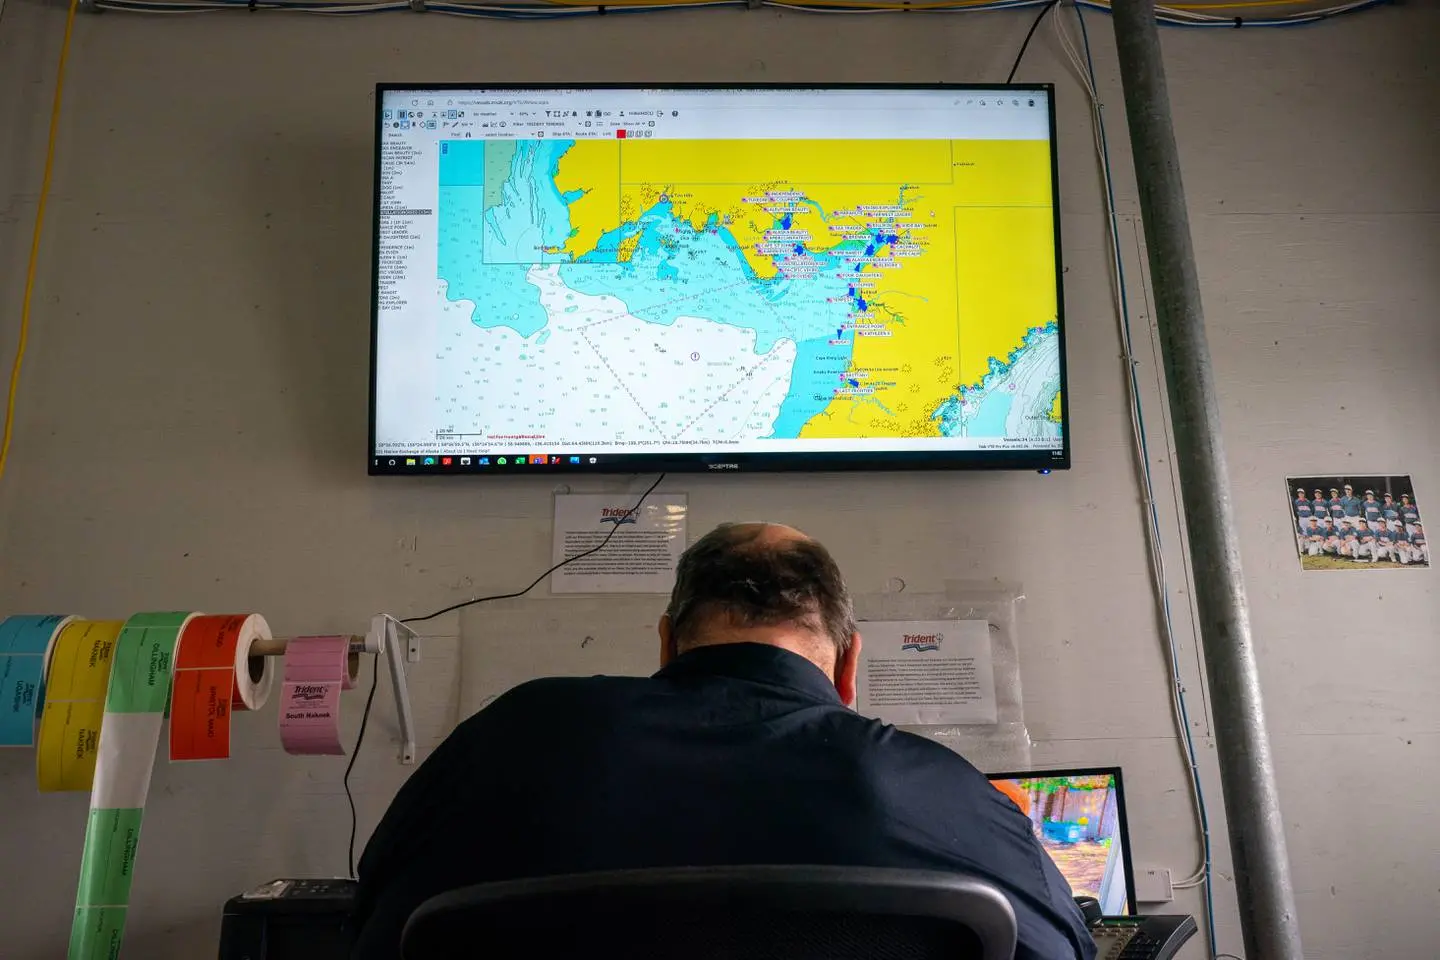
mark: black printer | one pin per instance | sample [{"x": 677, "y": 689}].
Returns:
[{"x": 289, "y": 920}]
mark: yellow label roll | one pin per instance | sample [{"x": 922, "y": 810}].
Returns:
[{"x": 75, "y": 688}]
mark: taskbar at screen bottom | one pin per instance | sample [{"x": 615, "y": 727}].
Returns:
[{"x": 446, "y": 464}]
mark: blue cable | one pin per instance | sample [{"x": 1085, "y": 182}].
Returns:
[
  {"x": 540, "y": 11},
  {"x": 1149, "y": 482},
  {"x": 1299, "y": 20}
]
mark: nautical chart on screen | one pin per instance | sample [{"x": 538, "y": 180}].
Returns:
[{"x": 693, "y": 273}]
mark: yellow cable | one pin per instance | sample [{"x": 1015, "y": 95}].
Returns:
[{"x": 35, "y": 239}]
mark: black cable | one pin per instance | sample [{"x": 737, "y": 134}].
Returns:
[
  {"x": 536, "y": 582},
  {"x": 375, "y": 675},
  {"x": 1026, "y": 45},
  {"x": 359, "y": 739}
]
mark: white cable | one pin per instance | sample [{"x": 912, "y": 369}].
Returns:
[
  {"x": 1074, "y": 56},
  {"x": 1298, "y": 15},
  {"x": 559, "y": 10},
  {"x": 1159, "y": 575}
]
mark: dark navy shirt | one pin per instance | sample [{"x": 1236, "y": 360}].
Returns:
[{"x": 733, "y": 754}]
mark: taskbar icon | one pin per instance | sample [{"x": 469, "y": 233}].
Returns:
[{"x": 508, "y": 460}]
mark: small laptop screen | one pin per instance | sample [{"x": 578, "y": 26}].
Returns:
[{"x": 1079, "y": 818}]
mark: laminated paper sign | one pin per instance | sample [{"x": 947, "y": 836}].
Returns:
[
  {"x": 641, "y": 547},
  {"x": 927, "y": 672}
]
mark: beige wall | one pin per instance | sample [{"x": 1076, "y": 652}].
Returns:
[{"x": 192, "y": 419}]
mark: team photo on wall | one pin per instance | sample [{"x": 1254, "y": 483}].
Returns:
[{"x": 1357, "y": 523}]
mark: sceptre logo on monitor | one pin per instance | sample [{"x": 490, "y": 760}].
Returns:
[{"x": 922, "y": 642}]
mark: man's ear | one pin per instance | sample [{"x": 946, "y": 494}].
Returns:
[
  {"x": 847, "y": 667},
  {"x": 667, "y": 641}
]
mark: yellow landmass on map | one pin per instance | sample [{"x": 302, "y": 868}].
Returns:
[
  {"x": 749, "y": 223},
  {"x": 1005, "y": 263},
  {"x": 593, "y": 168},
  {"x": 718, "y": 177},
  {"x": 977, "y": 221},
  {"x": 732, "y": 162},
  {"x": 986, "y": 278}
]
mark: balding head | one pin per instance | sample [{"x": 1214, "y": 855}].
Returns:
[
  {"x": 761, "y": 534},
  {"x": 760, "y": 582}
]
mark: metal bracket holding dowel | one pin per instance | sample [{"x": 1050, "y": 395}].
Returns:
[
  {"x": 387, "y": 637},
  {"x": 390, "y": 632}
]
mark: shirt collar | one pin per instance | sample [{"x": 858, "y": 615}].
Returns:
[{"x": 756, "y": 662}]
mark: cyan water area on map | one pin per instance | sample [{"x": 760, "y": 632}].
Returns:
[
  {"x": 674, "y": 270},
  {"x": 499, "y": 291},
  {"x": 489, "y": 239}
]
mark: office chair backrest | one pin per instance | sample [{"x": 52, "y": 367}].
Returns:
[{"x": 710, "y": 913}]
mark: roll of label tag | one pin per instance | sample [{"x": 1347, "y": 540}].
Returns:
[
  {"x": 75, "y": 684},
  {"x": 135, "y": 701},
  {"x": 25, "y": 644},
  {"x": 214, "y": 676},
  {"x": 316, "y": 670}
]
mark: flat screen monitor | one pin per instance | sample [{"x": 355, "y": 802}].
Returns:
[
  {"x": 1079, "y": 818},
  {"x": 619, "y": 278}
]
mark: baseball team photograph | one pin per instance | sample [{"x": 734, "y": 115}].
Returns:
[{"x": 1357, "y": 523}]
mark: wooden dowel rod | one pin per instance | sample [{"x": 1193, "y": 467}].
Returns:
[{"x": 275, "y": 646}]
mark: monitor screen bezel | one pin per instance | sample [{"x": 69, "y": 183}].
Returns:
[
  {"x": 1043, "y": 460},
  {"x": 1122, "y": 818}
]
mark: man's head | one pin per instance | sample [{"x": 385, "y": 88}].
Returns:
[
  {"x": 1334, "y": 492},
  {"x": 764, "y": 583}
]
